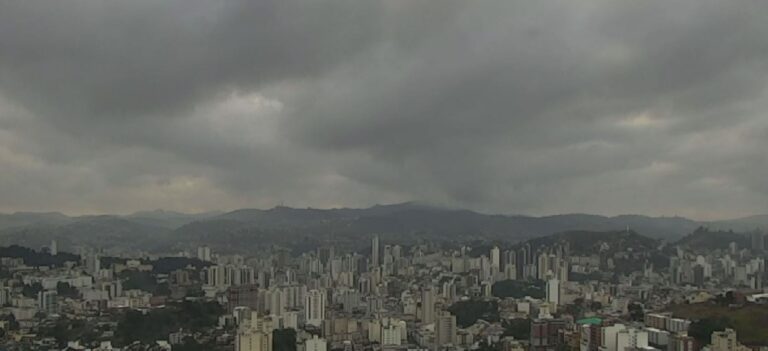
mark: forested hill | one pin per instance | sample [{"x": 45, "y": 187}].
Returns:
[{"x": 251, "y": 228}]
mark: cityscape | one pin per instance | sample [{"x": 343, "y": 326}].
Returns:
[
  {"x": 574, "y": 290},
  {"x": 383, "y": 175}
]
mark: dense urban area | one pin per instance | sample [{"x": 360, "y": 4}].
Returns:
[
  {"x": 383, "y": 175},
  {"x": 574, "y": 290}
]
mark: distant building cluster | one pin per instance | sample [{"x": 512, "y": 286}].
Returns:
[{"x": 606, "y": 293}]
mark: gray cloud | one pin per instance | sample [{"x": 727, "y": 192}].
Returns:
[{"x": 503, "y": 106}]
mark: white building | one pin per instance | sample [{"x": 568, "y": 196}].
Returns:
[
  {"x": 619, "y": 337},
  {"x": 314, "y": 307},
  {"x": 553, "y": 293},
  {"x": 315, "y": 344},
  {"x": 631, "y": 338},
  {"x": 387, "y": 331},
  {"x": 290, "y": 320},
  {"x": 496, "y": 258},
  {"x": 204, "y": 253}
]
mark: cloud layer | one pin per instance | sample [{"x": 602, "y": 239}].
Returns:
[{"x": 651, "y": 107}]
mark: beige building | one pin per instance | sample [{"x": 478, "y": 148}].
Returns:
[
  {"x": 254, "y": 335},
  {"x": 726, "y": 341},
  {"x": 445, "y": 329}
]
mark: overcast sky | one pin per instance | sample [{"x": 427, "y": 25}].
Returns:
[{"x": 531, "y": 107}]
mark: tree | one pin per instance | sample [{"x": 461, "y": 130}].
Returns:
[
  {"x": 34, "y": 258},
  {"x": 726, "y": 299},
  {"x": 139, "y": 280},
  {"x": 190, "y": 344},
  {"x": 636, "y": 312},
  {"x": 166, "y": 265},
  {"x": 702, "y": 329},
  {"x": 11, "y": 319},
  {"x": 65, "y": 329},
  {"x": 468, "y": 312},
  {"x": 518, "y": 289},
  {"x": 31, "y": 290},
  {"x": 162, "y": 289},
  {"x": 158, "y": 323},
  {"x": 518, "y": 328}
]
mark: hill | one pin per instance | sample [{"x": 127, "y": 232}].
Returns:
[
  {"x": 589, "y": 242},
  {"x": 749, "y": 320},
  {"x": 743, "y": 225},
  {"x": 168, "y": 219},
  {"x": 406, "y": 223},
  {"x": 306, "y": 227},
  {"x": 105, "y": 232},
  {"x": 21, "y": 219},
  {"x": 706, "y": 239},
  {"x": 415, "y": 218}
]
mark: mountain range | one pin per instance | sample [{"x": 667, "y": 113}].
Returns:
[{"x": 250, "y": 229}]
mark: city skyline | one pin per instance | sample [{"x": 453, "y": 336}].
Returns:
[{"x": 387, "y": 175}]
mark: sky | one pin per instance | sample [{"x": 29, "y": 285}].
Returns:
[{"x": 529, "y": 107}]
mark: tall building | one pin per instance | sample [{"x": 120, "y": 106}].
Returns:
[
  {"x": 5, "y": 296},
  {"x": 698, "y": 275},
  {"x": 524, "y": 261},
  {"x": 393, "y": 332},
  {"x": 545, "y": 334},
  {"x": 445, "y": 329},
  {"x": 254, "y": 335},
  {"x": 54, "y": 249},
  {"x": 657, "y": 320},
  {"x": 315, "y": 344},
  {"x": 631, "y": 338},
  {"x": 449, "y": 291},
  {"x": 242, "y": 315},
  {"x": 553, "y": 292},
  {"x": 217, "y": 276},
  {"x": 348, "y": 298},
  {"x": 758, "y": 241},
  {"x": 275, "y": 301},
  {"x": 428, "y": 306},
  {"x": 375, "y": 251},
  {"x": 314, "y": 307},
  {"x": 509, "y": 264},
  {"x": 47, "y": 301},
  {"x": 387, "y": 331},
  {"x": 542, "y": 267},
  {"x": 243, "y": 296},
  {"x": 485, "y": 268},
  {"x": 496, "y": 258},
  {"x": 204, "y": 253},
  {"x": 726, "y": 341},
  {"x": 563, "y": 270},
  {"x": 681, "y": 342},
  {"x": 589, "y": 333},
  {"x": 619, "y": 337},
  {"x": 93, "y": 264}
]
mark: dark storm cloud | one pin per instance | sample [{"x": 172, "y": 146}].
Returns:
[
  {"x": 506, "y": 106},
  {"x": 126, "y": 59}
]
